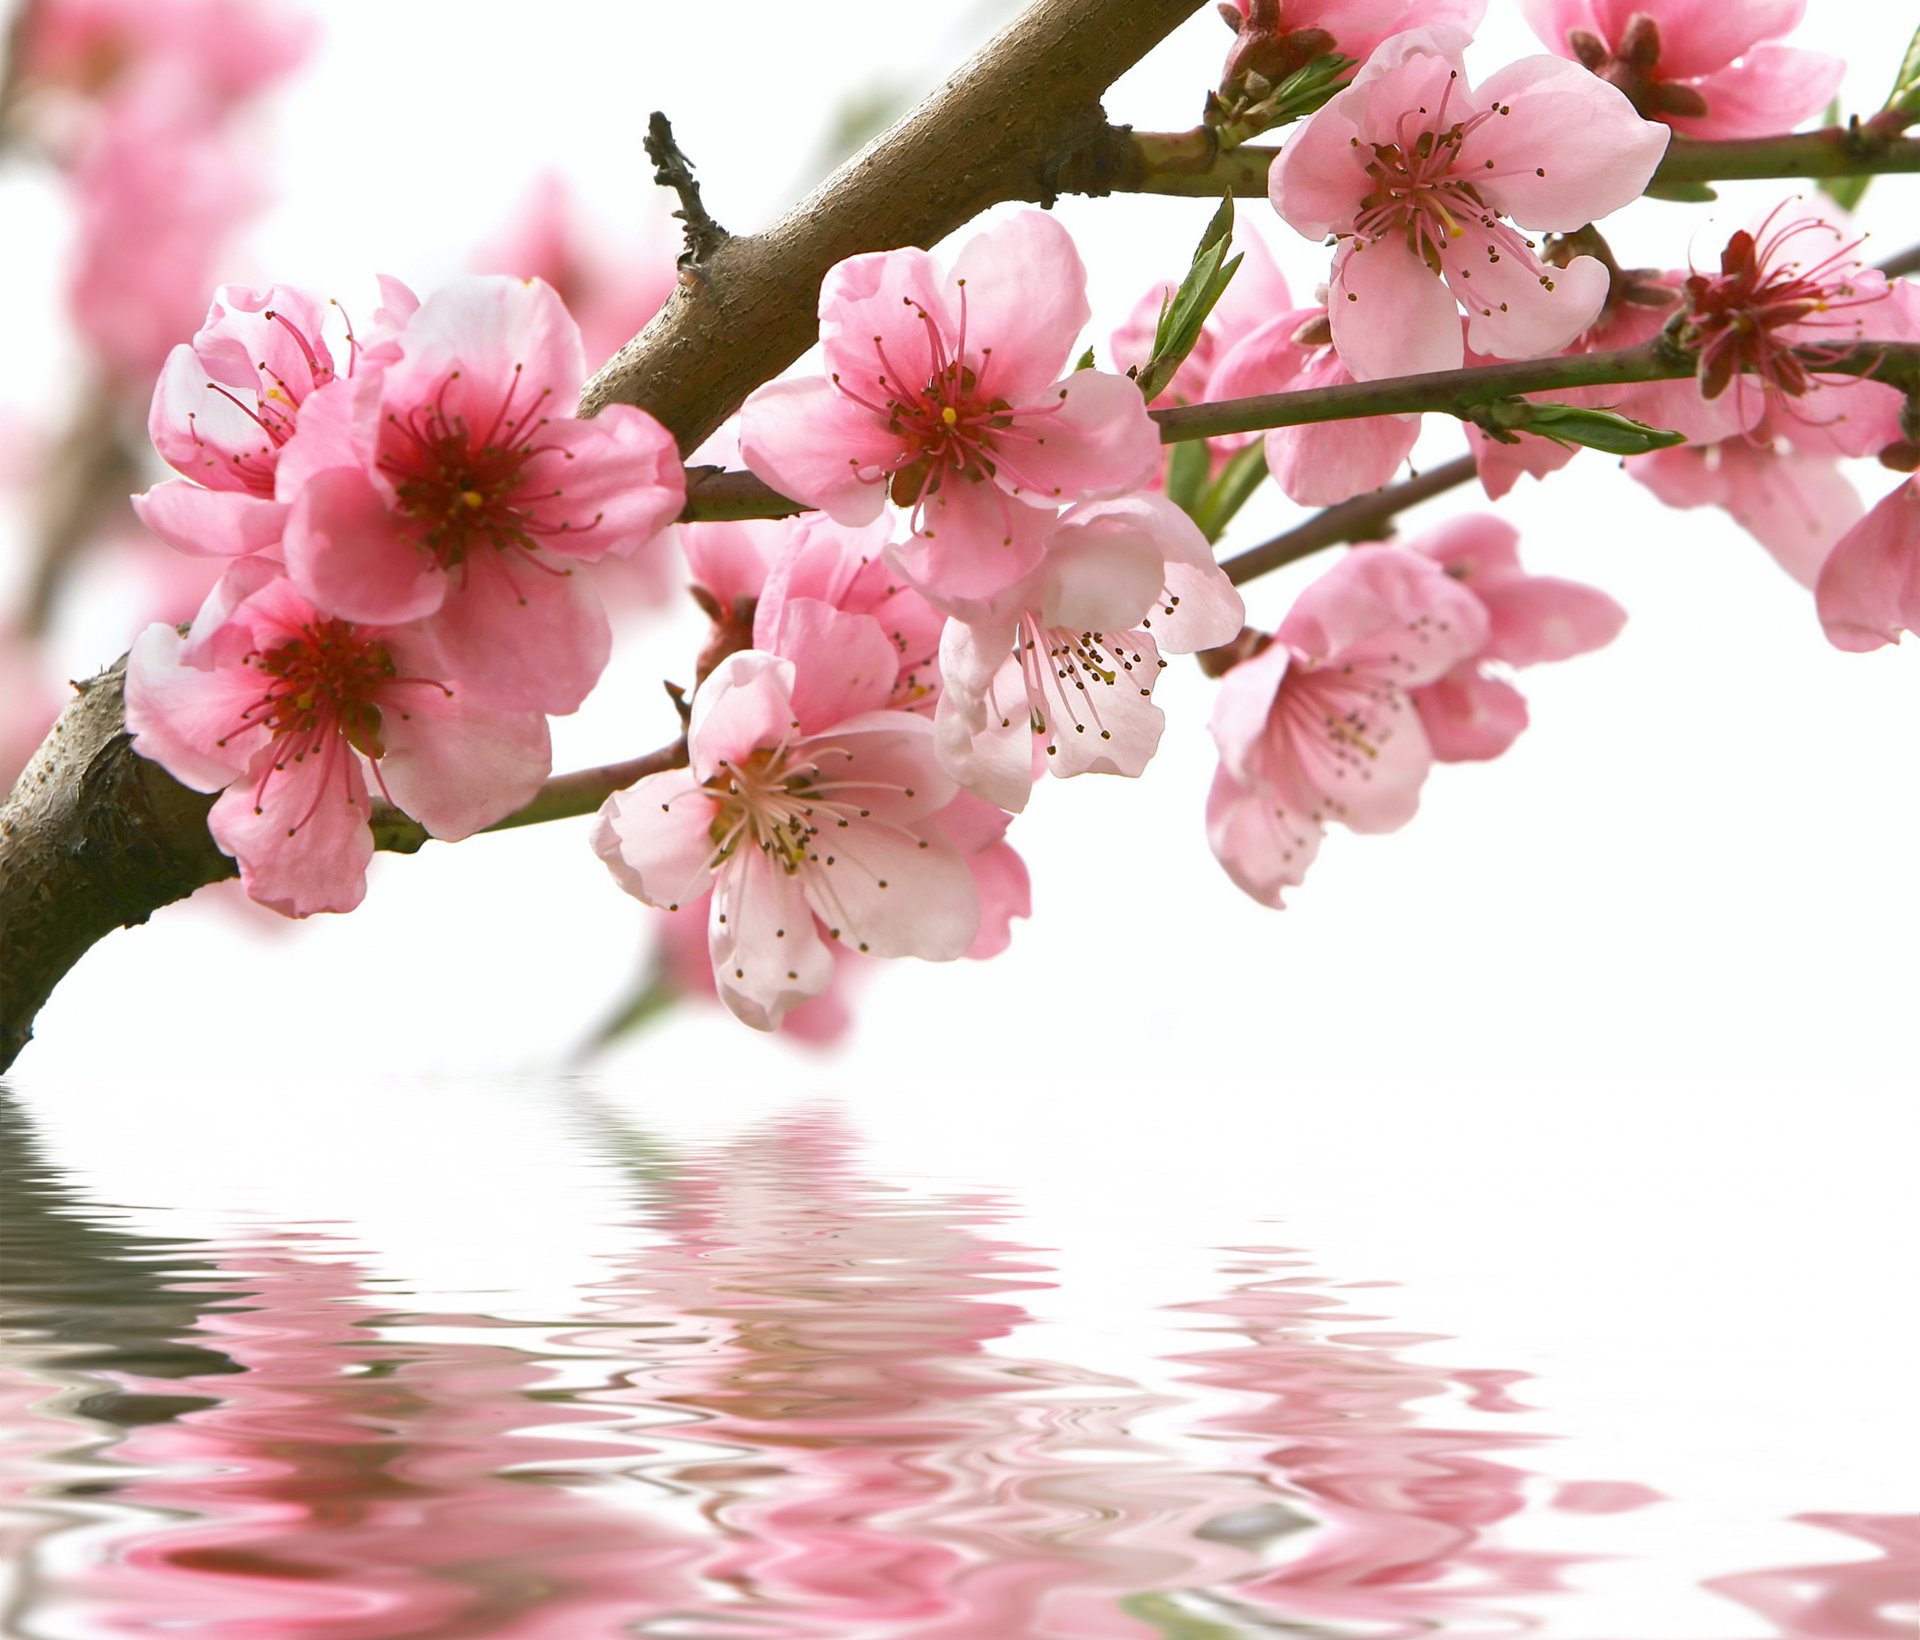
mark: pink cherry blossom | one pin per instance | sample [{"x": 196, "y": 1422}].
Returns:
[
  {"x": 845, "y": 568},
  {"x": 1321, "y": 463},
  {"x": 1700, "y": 66},
  {"x": 224, "y": 405},
  {"x": 451, "y": 481},
  {"x": 804, "y": 798},
  {"x": 1413, "y": 169},
  {"x": 1469, "y": 713},
  {"x": 1064, "y": 680},
  {"x": 1278, "y": 36},
  {"x": 1795, "y": 501},
  {"x": 945, "y": 391},
  {"x": 292, "y": 715},
  {"x": 1869, "y": 589},
  {"x": 1318, "y": 726}
]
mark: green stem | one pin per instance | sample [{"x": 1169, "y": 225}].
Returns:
[
  {"x": 1455, "y": 392},
  {"x": 1189, "y": 163},
  {"x": 561, "y": 798}
]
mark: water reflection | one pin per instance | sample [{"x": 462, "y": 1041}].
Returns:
[{"x": 795, "y": 1403}]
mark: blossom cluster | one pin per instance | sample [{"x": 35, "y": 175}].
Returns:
[
  {"x": 993, "y": 557},
  {"x": 405, "y": 512}
]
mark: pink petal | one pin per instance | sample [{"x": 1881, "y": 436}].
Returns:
[
  {"x": 894, "y": 893},
  {"x": 887, "y": 762},
  {"x": 1264, "y": 848},
  {"x": 1390, "y": 316},
  {"x": 521, "y": 635},
  {"x": 1699, "y": 36},
  {"x": 1025, "y": 299},
  {"x": 844, "y": 664},
  {"x": 484, "y": 339},
  {"x": 346, "y": 550},
  {"x": 1469, "y": 716},
  {"x": 211, "y": 523},
  {"x": 1537, "y": 618},
  {"x": 729, "y": 560},
  {"x": 1869, "y": 591},
  {"x": 767, "y": 955},
  {"x": 1106, "y": 728},
  {"x": 1104, "y": 570},
  {"x": 984, "y": 739},
  {"x": 870, "y": 305},
  {"x": 1388, "y": 609},
  {"x": 1198, "y": 606},
  {"x": 1518, "y": 307},
  {"x": 745, "y": 703},
  {"x": 1242, "y": 708},
  {"x": 1319, "y": 179},
  {"x": 609, "y": 485},
  {"x": 1004, "y": 890},
  {"x": 1571, "y": 149},
  {"x": 457, "y": 764},
  {"x": 306, "y": 847},
  {"x": 808, "y": 440},
  {"x": 192, "y": 723},
  {"x": 1325, "y": 463},
  {"x": 1772, "y": 88},
  {"x": 1501, "y": 466},
  {"x": 1098, "y": 441},
  {"x": 656, "y": 839},
  {"x": 974, "y": 543}
]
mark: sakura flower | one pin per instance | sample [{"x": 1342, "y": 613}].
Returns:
[
  {"x": 1321, "y": 463},
  {"x": 1468, "y": 713},
  {"x": 451, "y": 481},
  {"x": 1869, "y": 589},
  {"x": 804, "y": 798},
  {"x": 1318, "y": 726},
  {"x": 945, "y": 392},
  {"x": 1795, "y": 501},
  {"x": 1275, "y": 37},
  {"x": 846, "y": 569},
  {"x": 1788, "y": 292},
  {"x": 224, "y": 405},
  {"x": 1413, "y": 169},
  {"x": 290, "y": 719},
  {"x": 1698, "y": 65},
  {"x": 1065, "y": 682}
]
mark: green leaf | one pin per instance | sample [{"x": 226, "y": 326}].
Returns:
[
  {"x": 1684, "y": 193},
  {"x": 1184, "y": 315},
  {"x": 1574, "y": 425},
  {"x": 1231, "y": 491},
  {"x": 1187, "y": 474},
  {"x": 1904, "y": 98},
  {"x": 1085, "y": 362}
]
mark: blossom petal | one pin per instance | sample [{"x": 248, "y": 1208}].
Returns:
[
  {"x": 523, "y": 635},
  {"x": 345, "y": 550},
  {"x": 1536, "y": 618},
  {"x": 871, "y": 305},
  {"x": 656, "y": 839},
  {"x": 457, "y": 764},
  {"x": 609, "y": 485},
  {"x": 1869, "y": 591},
  {"x": 1470, "y": 716},
  {"x": 1771, "y": 88},
  {"x": 767, "y": 955},
  {"x": 193, "y": 723},
  {"x": 1025, "y": 292},
  {"x": 1517, "y": 306},
  {"x": 300, "y": 833},
  {"x": 211, "y": 523},
  {"x": 1265, "y": 848},
  {"x": 894, "y": 893},
  {"x": 1099, "y": 441},
  {"x": 808, "y": 440},
  {"x": 1390, "y": 316}
]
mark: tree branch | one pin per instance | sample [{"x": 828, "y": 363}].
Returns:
[
  {"x": 1192, "y": 163},
  {"x": 1364, "y": 518}
]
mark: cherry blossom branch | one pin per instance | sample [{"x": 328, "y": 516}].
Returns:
[
  {"x": 1364, "y": 518},
  {"x": 1459, "y": 392},
  {"x": 1193, "y": 164}
]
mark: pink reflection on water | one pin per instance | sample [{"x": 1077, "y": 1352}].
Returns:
[
  {"x": 348, "y": 1486},
  {"x": 1875, "y": 1599}
]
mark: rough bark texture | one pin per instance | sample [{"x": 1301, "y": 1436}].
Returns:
[
  {"x": 94, "y": 838},
  {"x": 1021, "y": 121}
]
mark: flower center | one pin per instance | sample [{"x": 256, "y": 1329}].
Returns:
[
  {"x": 320, "y": 684},
  {"x": 466, "y": 487}
]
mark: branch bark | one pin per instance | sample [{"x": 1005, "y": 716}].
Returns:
[{"x": 93, "y": 837}]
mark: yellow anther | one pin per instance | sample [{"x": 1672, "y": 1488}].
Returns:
[
  {"x": 949, "y": 415},
  {"x": 472, "y": 498}
]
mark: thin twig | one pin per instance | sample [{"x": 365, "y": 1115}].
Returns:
[
  {"x": 672, "y": 169},
  {"x": 1364, "y": 518}
]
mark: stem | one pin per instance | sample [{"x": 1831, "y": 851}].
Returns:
[
  {"x": 1191, "y": 164},
  {"x": 1454, "y": 392},
  {"x": 563, "y": 797},
  {"x": 1364, "y": 518}
]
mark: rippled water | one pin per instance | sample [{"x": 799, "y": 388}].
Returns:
[{"x": 786, "y": 1398}]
